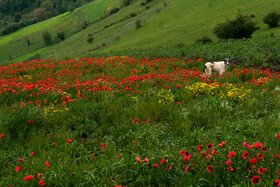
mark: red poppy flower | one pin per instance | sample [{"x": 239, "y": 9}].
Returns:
[
  {"x": 265, "y": 149},
  {"x": 203, "y": 154},
  {"x": 119, "y": 155},
  {"x": 187, "y": 169},
  {"x": 230, "y": 169},
  {"x": 69, "y": 141},
  {"x": 20, "y": 160},
  {"x": 155, "y": 165},
  {"x": 31, "y": 121},
  {"x": 278, "y": 136},
  {"x": 253, "y": 160},
  {"x": 279, "y": 172},
  {"x": 229, "y": 162},
  {"x": 250, "y": 169},
  {"x": 28, "y": 177},
  {"x": 199, "y": 147},
  {"x": 258, "y": 145},
  {"x": 277, "y": 182},
  {"x": 103, "y": 146},
  {"x": 255, "y": 179},
  {"x": 210, "y": 146},
  {"x": 277, "y": 156},
  {"x": 170, "y": 167},
  {"x": 262, "y": 170},
  {"x": 214, "y": 152},
  {"x": 261, "y": 156},
  {"x": 146, "y": 160},
  {"x": 54, "y": 144},
  {"x": 210, "y": 168},
  {"x": 187, "y": 157},
  {"x": 222, "y": 144},
  {"x": 1, "y": 135},
  {"x": 42, "y": 182},
  {"x": 245, "y": 155},
  {"x": 39, "y": 175},
  {"x": 163, "y": 161},
  {"x": 32, "y": 153},
  {"x": 18, "y": 168},
  {"x": 148, "y": 121},
  {"x": 48, "y": 164},
  {"x": 232, "y": 154},
  {"x": 138, "y": 159},
  {"x": 118, "y": 186},
  {"x": 135, "y": 120},
  {"x": 80, "y": 95}
]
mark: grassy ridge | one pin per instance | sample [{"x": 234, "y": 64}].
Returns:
[{"x": 178, "y": 22}]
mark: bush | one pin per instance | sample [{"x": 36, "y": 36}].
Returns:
[
  {"x": 114, "y": 10},
  {"x": 272, "y": 19},
  {"x": 60, "y": 35},
  {"x": 241, "y": 27},
  {"x": 147, "y": 7},
  {"x": 158, "y": 10},
  {"x": 143, "y": 4},
  {"x": 90, "y": 39},
  {"x": 133, "y": 14},
  {"x": 148, "y": 1},
  {"x": 137, "y": 24},
  {"x": 204, "y": 40},
  {"x": 47, "y": 37},
  {"x": 125, "y": 3}
]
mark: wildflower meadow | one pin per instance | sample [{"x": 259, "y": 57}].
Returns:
[{"x": 124, "y": 121}]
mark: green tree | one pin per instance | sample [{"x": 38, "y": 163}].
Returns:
[
  {"x": 47, "y": 38},
  {"x": 272, "y": 19}
]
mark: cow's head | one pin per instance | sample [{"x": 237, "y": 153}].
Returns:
[{"x": 227, "y": 61}]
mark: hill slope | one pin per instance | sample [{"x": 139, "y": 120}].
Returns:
[{"x": 164, "y": 23}]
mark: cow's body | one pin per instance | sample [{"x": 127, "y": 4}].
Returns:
[{"x": 219, "y": 67}]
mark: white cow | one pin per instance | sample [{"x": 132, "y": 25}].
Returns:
[{"x": 219, "y": 67}]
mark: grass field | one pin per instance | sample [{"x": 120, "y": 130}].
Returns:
[
  {"x": 162, "y": 26},
  {"x": 137, "y": 122}
]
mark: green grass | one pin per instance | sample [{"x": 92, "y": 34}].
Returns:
[
  {"x": 108, "y": 94},
  {"x": 178, "y": 22}
]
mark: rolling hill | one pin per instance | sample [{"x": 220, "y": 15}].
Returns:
[{"x": 164, "y": 23}]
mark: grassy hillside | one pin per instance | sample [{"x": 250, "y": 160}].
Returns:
[{"x": 178, "y": 22}]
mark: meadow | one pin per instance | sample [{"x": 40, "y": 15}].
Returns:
[{"x": 124, "y": 121}]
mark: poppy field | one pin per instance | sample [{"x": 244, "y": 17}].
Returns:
[{"x": 123, "y": 121}]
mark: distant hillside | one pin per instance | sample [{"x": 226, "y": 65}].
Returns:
[{"x": 111, "y": 27}]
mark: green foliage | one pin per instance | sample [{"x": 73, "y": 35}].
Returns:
[
  {"x": 272, "y": 19},
  {"x": 125, "y": 3},
  {"x": 241, "y": 27},
  {"x": 60, "y": 35},
  {"x": 47, "y": 38},
  {"x": 138, "y": 24},
  {"x": 204, "y": 40},
  {"x": 16, "y": 26},
  {"x": 133, "y": 14},
  {"x": 90, "y": 39}
]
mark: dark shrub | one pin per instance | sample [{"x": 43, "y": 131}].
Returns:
[
  {"x": 241, "y": 27},
  {"x": 204, "y": 40},
  {"x": 147, "y": 7},
  {"x": 133, "y": 14},
  {"x": 114, "y": 10},
  {"x": 272, "y": 19},
  {"x": 148, "y": 1},
  {"x": 60, "y": 35},
  {"x": 47, "y": 37},
  {"x": 137, "y": 24},
  {"x": 158, "y": 10},
  {"x": 90, "y": 39},
  {"x": 125, "y": 2},
  {"x": 143, "y": 4}
]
